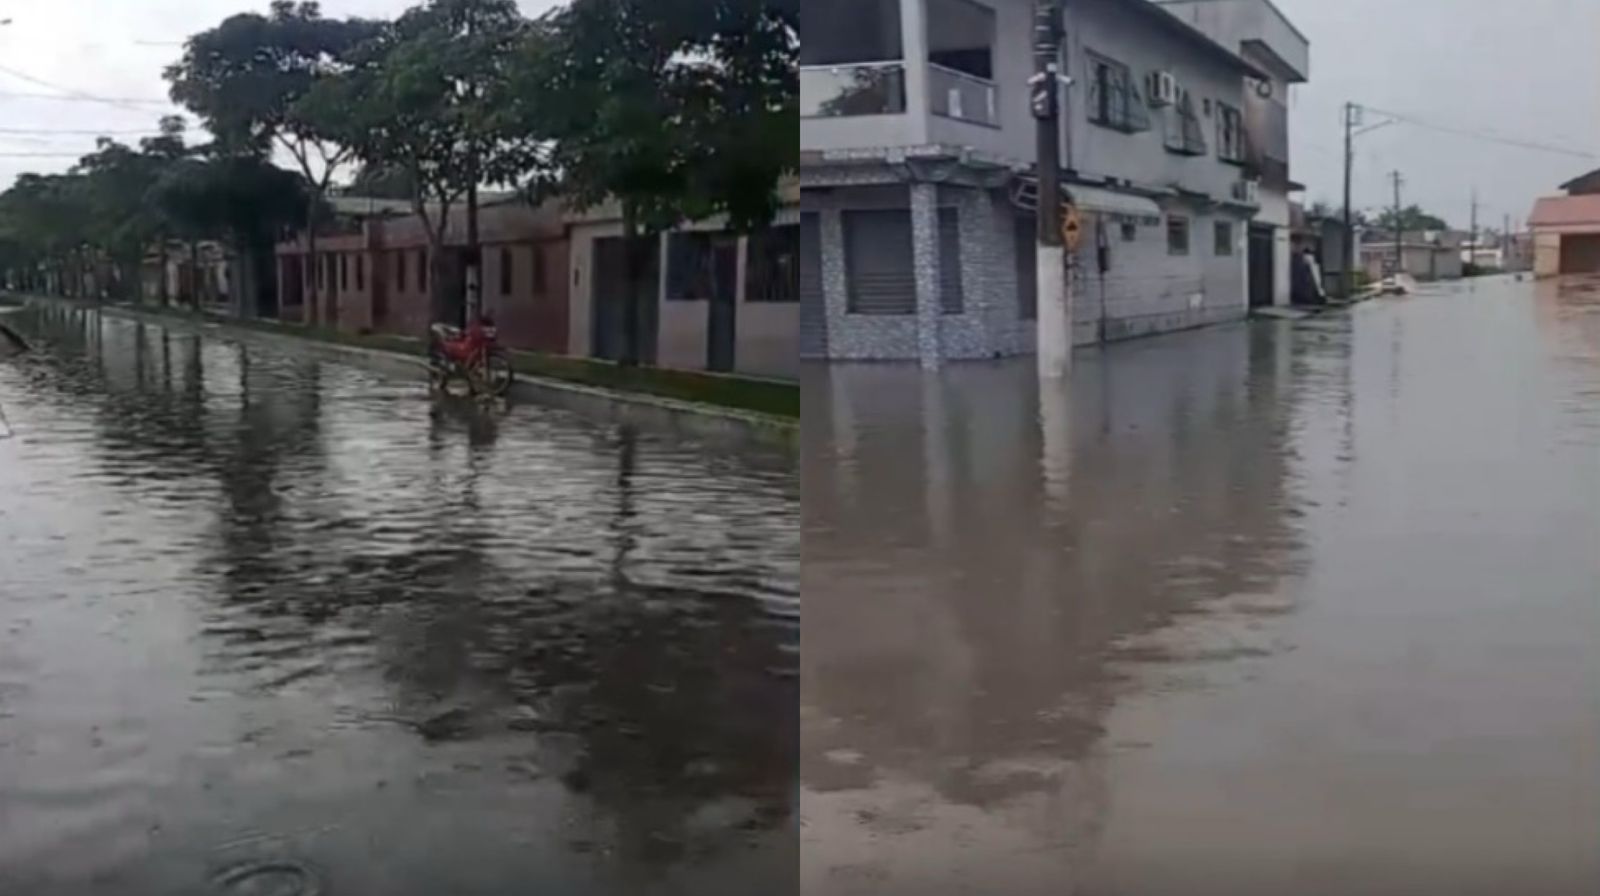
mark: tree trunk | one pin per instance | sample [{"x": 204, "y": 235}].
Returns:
[
  {"x": 474, "y": 272},
  {"x": 445, "y": 308},
  {"x": 310, "y": 310},
  {"x": 194, "y": 274}
]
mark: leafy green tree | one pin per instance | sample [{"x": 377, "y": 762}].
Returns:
[
  {"x": 241, "y": 199},
  {"x": 244, "y": 77},
  {"x": 676, "y": 109},
  {"x": 1411, "y": 218},
  {"x": 47, "y": 216},
  {"x": 417, "y": 100}
]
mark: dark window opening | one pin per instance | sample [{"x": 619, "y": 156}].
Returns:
[
  {"x": 1114, "y": 98},
  {"x": 1224, "y": 237},
  {"x": 772, "y": 268},
  {"x": 1177, "y": 235},
  {"x": 1230, "y": 133},
  {"x": 697, "y": 268}
]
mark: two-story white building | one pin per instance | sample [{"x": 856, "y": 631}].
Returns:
[
  {"x": 918, "y": 182},
  {"x": 1264, "y": 36}
]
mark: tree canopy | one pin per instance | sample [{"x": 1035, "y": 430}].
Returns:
[
  {"x": 677, "y": 109},
  {"x": 1411, "y": 218}
]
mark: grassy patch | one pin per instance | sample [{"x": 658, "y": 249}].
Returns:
[{"x": 771, "y": 397}]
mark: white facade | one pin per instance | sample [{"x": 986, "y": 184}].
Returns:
[{"x": 1265, "y": 37}]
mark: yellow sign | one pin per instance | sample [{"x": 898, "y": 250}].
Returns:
[{"x": 1071, "y": 227}]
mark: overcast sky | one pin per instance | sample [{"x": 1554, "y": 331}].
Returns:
[
  {"x": 112, "y": 49},
  {"x": 1527, "y": 69}
]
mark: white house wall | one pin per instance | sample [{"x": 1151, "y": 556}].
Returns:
[{"x": 1105, "y": 27}]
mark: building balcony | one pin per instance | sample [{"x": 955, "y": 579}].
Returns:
[
  {"x": 844, "y": 91},
  {"x": 962, "y": 96}
]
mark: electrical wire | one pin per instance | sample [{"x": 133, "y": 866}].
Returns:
[
  {"x": 19, "y": 95},
  {"x": 1483, "y": 135},
  {"x": 82, "y": 132},
  {"x": 71, "y": 91}
]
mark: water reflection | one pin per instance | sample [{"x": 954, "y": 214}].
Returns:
[
  {"x": 988, "y": 568},
  {"x": 1289, "y": 607},
  {"x": 315, "y": 617}
]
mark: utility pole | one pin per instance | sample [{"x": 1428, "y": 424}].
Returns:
[
  {"x": 1054, "y": 318},
  {"x": 1399, "y": 226},
  {"x": 1351, "y": 110},
  {"x": 1505, "y": 243},
  {"x": 1472, "y": 241}
]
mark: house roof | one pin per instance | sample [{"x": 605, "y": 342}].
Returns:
[
  {"x": 1160, "y": 17},
  {"x": 1558, "y": 212},
  {"x": 1584, "y": 183}
]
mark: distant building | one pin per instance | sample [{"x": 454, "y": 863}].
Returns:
[
  {"x": 1424, "y": 254},
  {"x": 1566, "y": 229},
  {"x": 1324, "y": 234},
  {"x": 372, "y": 270}
]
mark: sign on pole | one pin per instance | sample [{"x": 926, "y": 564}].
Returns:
[{"x": 1071, "y": 226}]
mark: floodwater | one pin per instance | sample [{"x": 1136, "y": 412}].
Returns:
[
  {"x": 275, "y": 624},
  {"x": 1287, "y": 607}
]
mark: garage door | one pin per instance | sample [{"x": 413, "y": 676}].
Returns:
[{"x": 1580, "y": 254}]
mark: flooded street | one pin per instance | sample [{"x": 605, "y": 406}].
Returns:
[
  {"x": 270, "y": 622},
  {"x": 1287, "y": 607}
]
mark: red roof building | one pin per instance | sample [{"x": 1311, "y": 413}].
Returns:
[{"x": 1566, "y": 229}]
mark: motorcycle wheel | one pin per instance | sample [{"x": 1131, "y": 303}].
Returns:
[{"x": 498, "y": 375}]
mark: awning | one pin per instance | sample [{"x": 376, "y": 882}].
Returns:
[{"x": 1113, "y": 202}]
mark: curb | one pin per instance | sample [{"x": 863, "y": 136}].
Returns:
[{"x": 684, "y": 418}]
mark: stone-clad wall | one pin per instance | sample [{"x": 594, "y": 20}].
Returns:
[{"x": 1145, "y": 290}]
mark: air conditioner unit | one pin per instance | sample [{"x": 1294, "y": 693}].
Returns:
[
  {"x": 1247, "y": 191},
  {"x": 1163, "y": 89}
]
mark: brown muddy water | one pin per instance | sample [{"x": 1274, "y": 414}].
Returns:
[
  {"x": 271, "y": 624},
  {"x": 1281, "y": 608}
]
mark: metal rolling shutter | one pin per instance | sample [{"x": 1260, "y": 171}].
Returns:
[{"x": 879, "y": 262}]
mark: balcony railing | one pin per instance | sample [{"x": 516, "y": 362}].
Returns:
[
  {"x": 863, "y": 88},
  {"x": 962, "y": 96}
]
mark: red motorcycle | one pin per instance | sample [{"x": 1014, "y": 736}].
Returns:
[{"x": 472, "y": 357}]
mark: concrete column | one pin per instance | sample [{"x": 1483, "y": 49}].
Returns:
[
  {"x": 1055, "y": 332},
  {"x": 835, "y": 280},
  {"x": 914, "y": 45},
  {"x": 982, "y": 273},
  {"x": 925, "y": 246}
]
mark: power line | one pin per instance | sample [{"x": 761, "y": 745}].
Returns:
[
  {"x": 72, "y": 91},
  {"x": 83, "y": 132},
  {"x": 1484, "y": 135},
  {"x": 22, "y": 95}
]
